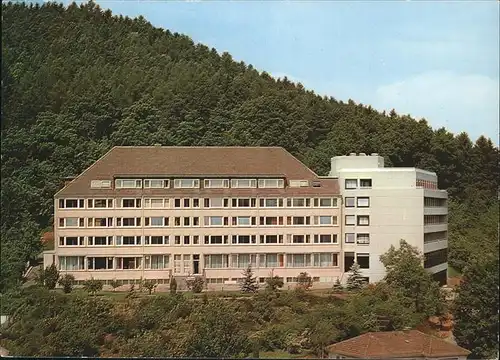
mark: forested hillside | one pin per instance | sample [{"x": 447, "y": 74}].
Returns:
[{"x": 77, "y": 80}]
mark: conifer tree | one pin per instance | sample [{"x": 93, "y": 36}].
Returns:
[
  {"x": 337, "y": 286},
  {"x": 355, "y": 280},
  {"x": 249, "y": 283}
]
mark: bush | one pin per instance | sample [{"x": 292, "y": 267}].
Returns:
[
  {"x": 173, "y": 286},
  {"x": 48, "y": 277},
  {"x": 92, "y": 286},
  {"x": 149, "y": 285},
  {"x": 67, "y": 281},
  {"x": 304, "y": 281},
  {"x": 196, "y": 285},
  {"x": 274, "y": 283},
  {"x": 114, "y": 284}
]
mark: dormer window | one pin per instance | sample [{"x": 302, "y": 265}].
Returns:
[
  {"x": 156, "y": 184},
  {"x": 271, "y": 183},
  {"x": 128, "y": 184},
  {"x": 186, "y": 183},
  {"x": 243, "y": 183},
  {"x": 100, "y": 184},
  {"x": 298, "y": 183},
  {"x": 216, "y": 183}
]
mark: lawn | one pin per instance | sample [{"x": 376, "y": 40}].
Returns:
[{"x": 279, "y": 354}]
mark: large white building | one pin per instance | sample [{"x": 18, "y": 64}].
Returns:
[{"x": 383, "y": 205}]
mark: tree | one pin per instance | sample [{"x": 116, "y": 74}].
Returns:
[
  {"x": 476, "y": 309},
  {"x": 274, "y": 282},
  {"x": 48, "y": 277},
  {"x": 355, "y": 279},
  {"x": 197, "y": 284},
  {"x": 173, "y": 286},
  {"x": 337, "y": 286},
  {"x": 404, "y": 271},
  {"x": 114, "y": 284},
  {"x": 67, "y": 281},
  {"x": 249, "y": 282},
  {"x": 304, "y": 281},
  {"x": 218, "y": 332},
  {"x": 92, "y": 286},
  {"x": 150, "y": 285}
]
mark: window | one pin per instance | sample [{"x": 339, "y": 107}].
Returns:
[
  {"x": 363, "y": 202},
  {"x": 298, "y": 202},
  {"x": 128, "y": 184},
  {"x": 365, "y": 183},
  {"x": 243, "y": 239},
  {"x": 156, "y": 184},
  {"x": 271, "y": 260},
  {"x": 72, "y": 222},
  {"x": 128, "y": 263},
  {"x": 131, "y": 203},
  {"x": 71, "y": 203},
  {"x": 71, "y": 263},
  {"x": 325, "y": 260},
  {"x": 243, "y": 203},
  {"x": 155, "y": 262},
  {"x": 435, "y": 219},
  {"x": 186, "y": 183},
  {"x": 216, "y": 239},
  {"x": 156, "y": 221},
  {"x": 244, "y": 220},
  {"x": 363, "y": 220},
  {"x": 216, "y": 261},
  {"x": 327, "y": 202},
  {"x": 349, "y": 238},
  {"x": 242, "y": 261},
  {"x": 271, "y": 183},
  {"x": 351, "y": 183},
  {"x": 216, "y": 183},
  {"x": 325, "y": 239},
  {"x": 156, "y": 203},
  {"x": 434, "y": 202},
  {"x": 363, "y": 260},
  {"x": 156, "y": 240},
  {"x": 99, "y": 203},
  {"x": 125, "y": 222},
  {"x": 435, "y": 236},
  {"x": 99, "y": 240},
  {"x": 271, "y": 239},
  {"x": 350, "y": 202},
  {"x": 363, "y": 239},
  {"x": 298, "y": 260},
  {"x": 323, "y": 220},
  {"x": 100, "y": 222},
  {"x": 214, "y": 220},
  {"x": 128, "y": 240},
  {"x": 298, "y": 183},
  {"x": 298, "y": 239},
  {"x": 100, "y": 184},
  {"x": 350, "y": 219},
  {"x": 434, "y": 258},
  {"x": 271, "y": 202},
  {"x": 71, "y": 241},
  {"x": 99, "y": 263},
  {"x": 243, "y": 183}
]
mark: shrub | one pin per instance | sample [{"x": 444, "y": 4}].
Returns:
[
  {"x": 197, "y": 285},
  {"x": 67, "y": 281},
  {"x": 114, "y": 284},
  {"x": 304, "y": 281},
  {"x": 274, "y": 283},
  {"x": 173, "y": 286},
  {"x": 149, "y": 285},
  {"x": 92, "y": 286},
  {"x": 48, "y": 277}
]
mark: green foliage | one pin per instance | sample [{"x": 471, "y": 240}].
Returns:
[
  {"x": 219, "y": 333},
  {"x": 273, "y": 283},
  {"x": 355, "y": 279},
  {"x": 48, "y": 277},
  {"x": 92, "y": 286},
  {"x": 476, "y": 309},
  {"x": 337, "y": 287},
  {"x": 77, "y": 81},
  {"x": 404, "y": 271},
  {"x": 249, "y": 282},
  {"x": 304, "y": 281},
  {"x": 149, "y": 285},
  {"x": 67, "y": 281},
  {"x": 197, "y": 285},
  {"x": 114, "y": 284},
  {"x": 173, "y": 286}
]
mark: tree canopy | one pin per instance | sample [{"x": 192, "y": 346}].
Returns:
[{"x": 77, "y": 80}]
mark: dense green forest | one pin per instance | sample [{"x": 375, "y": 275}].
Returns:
[{"x": 77, "y": 80}]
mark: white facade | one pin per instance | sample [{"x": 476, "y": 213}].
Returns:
[{"x": 384, "y": 205}]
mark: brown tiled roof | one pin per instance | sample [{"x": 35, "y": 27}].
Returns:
[
  {"x": 396, "y": 344},
  {"x": 201, "y": 162}
]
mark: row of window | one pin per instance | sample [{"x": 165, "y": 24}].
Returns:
[
  {"x": 355, "y": 183},
  {"x": 183, "y": 263},
  {"x": 434, "y": 202},
  {"x": 435, "y": 219},
  {"x": 189, "y": 221},
  {"x": 120, "y": 240},
  {"x": 192, "y": 183},
  {"x": 358, "y": 238},
  {"x": 435, "y": 236},
  {"x": 360, "y": 201},
  {"x": 360, "y": 220},
  {"x": 426, "y": 184},
  {"x": 189, "y": 203},
  {"x": 434, "y": 258}
]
